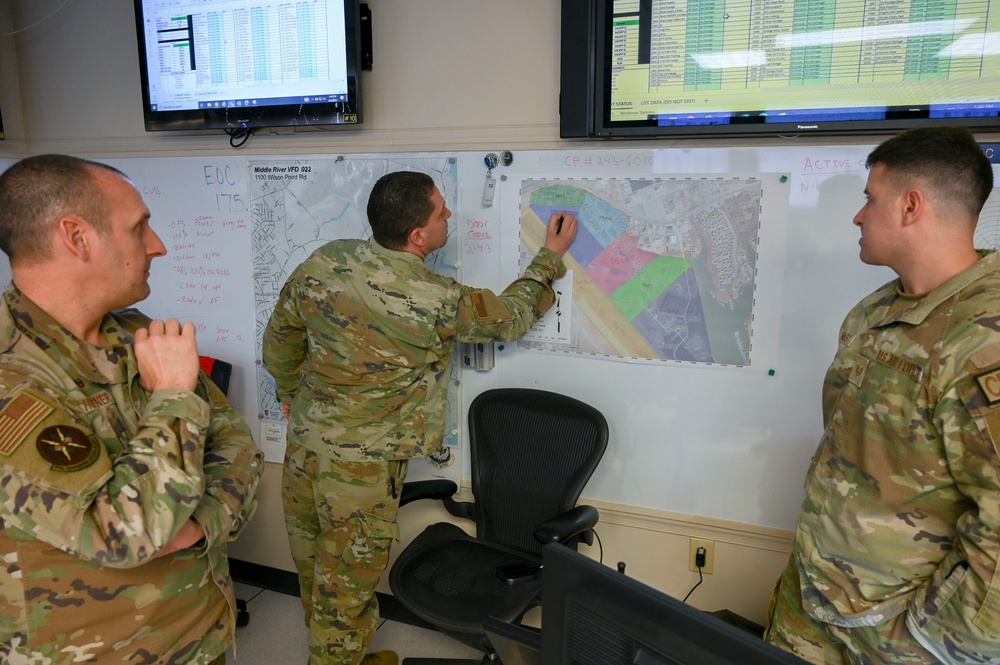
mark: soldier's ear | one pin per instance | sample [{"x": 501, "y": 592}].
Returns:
[
  {"x": 417, "y": 237},
  {"x": 73, "y": 235}
]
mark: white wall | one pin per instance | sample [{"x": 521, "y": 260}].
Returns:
[
  {"x": 10, "y": 89},
  {"x": 447, "y": 73}
]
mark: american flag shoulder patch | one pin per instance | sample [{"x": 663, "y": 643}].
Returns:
[{"x": 17, "y": 418}]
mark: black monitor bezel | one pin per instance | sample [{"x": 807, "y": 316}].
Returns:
[
  {"x": 585, "y": 96},
  {"x": 340, "y": 114},
  {"x": 667, "y": 630}
]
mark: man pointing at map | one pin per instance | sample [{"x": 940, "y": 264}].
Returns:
[{"x": 359, "y": 346}]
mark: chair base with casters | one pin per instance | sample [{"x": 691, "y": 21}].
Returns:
[{"x": 532, "y": 451}]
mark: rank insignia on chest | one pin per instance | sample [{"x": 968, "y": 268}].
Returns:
[
  {"x": 66, "y": 448},
  {"x": 858, "y": 372},
  {"x": 989, "y": 385}
]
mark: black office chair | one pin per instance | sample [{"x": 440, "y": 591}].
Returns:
[
  {"x": 220, "y": 372},
  {"x": 532, "y": 453}
]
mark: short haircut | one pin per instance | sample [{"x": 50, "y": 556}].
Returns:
[
  {"x": 38, "y": 191},
  {"x": 946, "y": 160},
  {"x": 399, "y": 203}
]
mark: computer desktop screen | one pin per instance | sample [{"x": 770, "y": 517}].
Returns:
[
  {"x": 235, "y": 64},
  {"x": 659, "y": 68},
  {"x": 593, "y": 615}
]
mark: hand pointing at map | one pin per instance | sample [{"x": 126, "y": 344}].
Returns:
[{"x": 562, "y": 229}]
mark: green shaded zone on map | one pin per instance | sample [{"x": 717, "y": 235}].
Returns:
[{"x": 663, "y": 268}]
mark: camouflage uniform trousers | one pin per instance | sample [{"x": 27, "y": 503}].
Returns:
[
  {"x": 341, "y": 521},
  {"x": 792, "y": 629}
]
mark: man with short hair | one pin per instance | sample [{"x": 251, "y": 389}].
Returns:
[
  {"x": 898, "y": 540},
  {"x": 123, "y": 470},
  {"x": 359, "y": 345}
]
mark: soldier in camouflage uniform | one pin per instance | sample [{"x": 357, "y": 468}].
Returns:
[
  {"x": 123, "y": 472},
  {"x": 896, "y": 549},
  {"x": 359, "y": 345}
]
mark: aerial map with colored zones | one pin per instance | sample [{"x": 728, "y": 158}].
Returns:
[{"x": 663, "y": 269}]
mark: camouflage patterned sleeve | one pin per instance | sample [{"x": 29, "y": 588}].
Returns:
[
  {"x": 483, "y": 316},
  {"x": 958, "y": 607},
  {"x": 62, "y": 487},
  {"x": 233, "y": 466},
  {"x": 285, "y": 344}
]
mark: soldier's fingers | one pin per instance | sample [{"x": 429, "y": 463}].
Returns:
[
  {"x": 172, "y": 327},
  {"x": 156, "y": 327}
]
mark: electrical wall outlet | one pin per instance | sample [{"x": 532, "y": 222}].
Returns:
[{"x": 709, "y": 546}]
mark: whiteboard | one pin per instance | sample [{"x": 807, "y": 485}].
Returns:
[
  {"x": 730, "y": 443},
  {"x": 724, "y": 442},
  {"x": 204, "y": 211},
  {"x": 199, "y": 208}
]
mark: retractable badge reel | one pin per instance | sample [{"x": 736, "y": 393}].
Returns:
[{"x": 492, "y": 160}]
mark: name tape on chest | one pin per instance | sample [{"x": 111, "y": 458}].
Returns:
[{"x": 899, "y": 364}]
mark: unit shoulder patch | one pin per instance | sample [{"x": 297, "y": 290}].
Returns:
[{"x": 66, "y": 448}]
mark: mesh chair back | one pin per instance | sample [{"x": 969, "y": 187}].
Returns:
[{"x": 532, "y": 453}]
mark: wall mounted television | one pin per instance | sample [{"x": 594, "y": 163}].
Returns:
[
  {"x": 242, "y": 64},
  {"x": 672, "y": 68}
]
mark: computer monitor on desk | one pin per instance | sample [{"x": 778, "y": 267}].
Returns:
[{"x": 593, "y": 615}]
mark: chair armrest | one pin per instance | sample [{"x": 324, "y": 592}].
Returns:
[
  {"x": 427, "y": 489},
  {"x": 442, "y": 490},
  {"x": 571, "y": 523}
]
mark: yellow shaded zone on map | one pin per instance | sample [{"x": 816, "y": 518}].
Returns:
[{"x": 603, "y": 314}]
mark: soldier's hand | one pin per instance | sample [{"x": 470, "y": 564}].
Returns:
[
  {"x": 561, "y": 232},
  {"x": 167, "y": 355},
  {"x": 287, "y": 410},
  {"x": 189, "y": 534}
]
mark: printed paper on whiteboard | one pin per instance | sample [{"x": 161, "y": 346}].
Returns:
[
  {"x": 555, "y": 326},
  {"x": 272, "y": 440}
]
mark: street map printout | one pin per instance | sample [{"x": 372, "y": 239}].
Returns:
[
  {"x": 297, "y": 206},
  {"x": 663, "y": 269}
]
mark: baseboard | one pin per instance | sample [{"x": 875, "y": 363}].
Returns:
[{"x": 264, "y": 577}]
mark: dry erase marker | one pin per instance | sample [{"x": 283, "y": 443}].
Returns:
[{"x": 559, "y": 225}]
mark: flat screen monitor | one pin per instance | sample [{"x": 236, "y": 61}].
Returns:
[
  {"x": 240, "y": 64},
  {"x": 593, "y": 615},
  {"x": 665, "y": 68}
]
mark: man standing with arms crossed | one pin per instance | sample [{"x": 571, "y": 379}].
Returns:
[
  {"x": 359, "y": 345},
  {"x": 123, "y": 472},
  {"x": 896, "y": 550}
]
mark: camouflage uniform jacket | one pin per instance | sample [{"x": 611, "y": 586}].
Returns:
[
  {"x": 360, "y": 341},
  {"x": 96, "y": 476},
  {"x": 902, "y": 505}
]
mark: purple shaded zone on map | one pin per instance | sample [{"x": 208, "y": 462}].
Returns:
[
  {"x": 585, "y": 246},
  {"x": 678, "y": 331}
]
